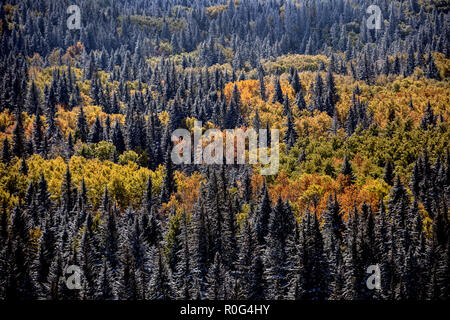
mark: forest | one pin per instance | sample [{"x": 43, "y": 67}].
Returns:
[{"x": 87, "y": 180}]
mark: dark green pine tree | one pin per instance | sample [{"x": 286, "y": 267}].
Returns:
[
  {"x": 105, "y": 283},
  {"x": 117, "y": 138},
  {"x": 331, "y": 93},
  {"x": 233, "y": 118},
  {"x": 199, "y": 245},
  {"x": 6, "y": 151},
  {"x": 296, "y": 84},
  {"x": 55, "y": 282},
  {"x": 67, "y": 191},
  {"x": 318, "y": 93},
  {"x": 110, "y": 233},
  {"x": 428, "y": 119},
  {"x": 262, "y": 85},
  {"x": 182, "y": 277},
  {"x": 286, "y": 106},
  {"x": 432, "y": 71},
  {"x": 18, "y": 148},
  {"x": 228, "y": 232},
  {"x": 300, "y": 101},
  {"x": 316, "y": 267},
  {"x": 247, "y": 250},
  {"x": 96, "y": 132},
  {"x": 216, "y": 280},
  {"x": 349, "y": 290},
  {"x": 383, "y": 246},
  {"x": 90, "y": 257},
  {"x": 140, "y": 257},
  {"x": 43, "y": 199},
  {"x": 261, "y": 217},
  {"x": 278, "y": 93},
  {"x": 82, "y": 126},
  {"x": 22, "y": 281},
  {"x": 257, "y": 281},
  {"x": 410, "y": 61},
  {"x": 75, "y": 97},
  {"x": 160, "y": 285},
  {"x": 38, "y": 134},
  {"x": 151, "y": 224},
  {"x": 256, "y": 123},
  {"x": 168, "y": 186},
  {"x": 291, "y": 135},
  {"x": 398, "y": 208},
  {"x": 438, "y": 253},
  {"x": 70, "y": 147},
  {"x": 389, "y": 174},
  {"x": 347, "y": 170},
  {"x": 33, "y": 99},
  {"x": 275, "y": 258},
  {"x": 127, "y": 286},
  {"x": 4, "y": 219}
]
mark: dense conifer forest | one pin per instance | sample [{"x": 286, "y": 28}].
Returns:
[{"x": 87, "y": 178}]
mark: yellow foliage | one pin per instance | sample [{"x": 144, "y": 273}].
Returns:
[
  {"x": 297, "y": 61},
  {"x": 214, "y": 11},
  {"x": 126, "y": 183}
]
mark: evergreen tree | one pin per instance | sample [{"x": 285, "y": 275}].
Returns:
[
  {"x": 6, "y": 151},
  {"x": 168, "y": 186},
  {"x": 261, "y": 218},
  {"x": 18, "y": 148},
  {"x": 389, "y": 173},
  {"x": 278, "y": 93},
  {"x": 347, "y": 170},
  {"x": 160, "y": 282},
  {"x": 428, "y": 118},
  {"x": 82, "y": 126}
]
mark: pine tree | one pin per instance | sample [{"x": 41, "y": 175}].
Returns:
[
  {"x": 82, "y": 126},
  {"x": 389, "y": 173},
  {"x": 347, "y": 170},
  {"x": 275, "y": 258},
  {"x": 257, "y": 282},
  {"x": 67, "y": 191},
  {"x": 33, "y": 99},
  {"x": 216, "y": 280},
  {"x": 117, "y": 138},
  {"x": 291, "y": 135},
  {"x": 256, "y": 124},
  {"x": 18, "y": 148},
  {"x": 261, "y": 218},
  {"x": 300, "y": 101},
  {"x": 262, "y": 85},
  {"x": 331, "y": 92},
  {"x": 199, "y": 245},
  {"x": 410, "y": 61},
  {"x": 168, "y": 186},
  {"x": 6, "y": 151},
  {"x": 428, "y": 118},
  {"x": 183, "y": 276},
  {"x": 432, "y": 71},
  {"x": 96, "y": 132},
  {"x": 161, "y": 279},
  {"x": 90, "y": 257},
  {"x": 278, "y": 93},
  {"x": 296, "y": 84}
]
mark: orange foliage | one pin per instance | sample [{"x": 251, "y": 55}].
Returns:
[{"x": 72, "y": 53}]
